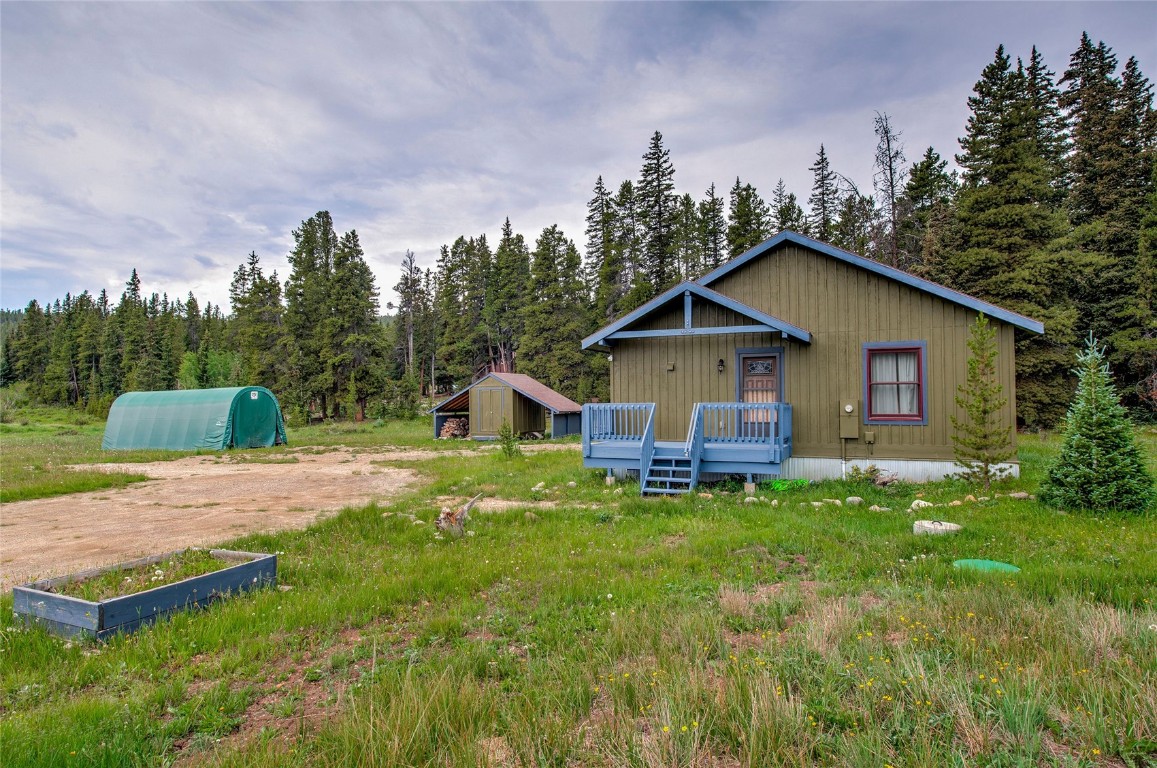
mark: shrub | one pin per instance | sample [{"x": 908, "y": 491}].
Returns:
[
  {"x": 1100, "y": 464},
  {"x": 508, "y": 440}
]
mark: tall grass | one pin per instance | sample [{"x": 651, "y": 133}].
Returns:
[{"x": 603, "y": 629}]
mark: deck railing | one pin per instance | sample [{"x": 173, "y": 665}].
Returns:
[
  {"x": 647, "y": 451},
  {"x": 745, "y": 423},
  {"x": 693, "y": 449},
  {"x": 616, "y": 422},
  {"x": 621, "y": 429}
]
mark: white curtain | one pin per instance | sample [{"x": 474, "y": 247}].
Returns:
[
  {"x": 884, "y": 396},
  {"x": 909, "y": 394},
  {"x": 895, "y": 387}
]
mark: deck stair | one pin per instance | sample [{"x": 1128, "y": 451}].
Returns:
[
  {"x": 670, "y": 472},
  {"x": 722, "y": 438}
]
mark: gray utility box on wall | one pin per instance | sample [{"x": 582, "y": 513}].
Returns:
[{"x": 849, "y": 419}]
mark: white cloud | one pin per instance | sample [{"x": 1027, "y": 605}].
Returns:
[{"x": 176, "y": 138}]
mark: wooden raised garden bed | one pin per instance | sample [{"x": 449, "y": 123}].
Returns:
[{"x": 40, "y": 603}]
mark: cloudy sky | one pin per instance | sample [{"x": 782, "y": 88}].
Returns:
[{"x": 177, "y": 137}]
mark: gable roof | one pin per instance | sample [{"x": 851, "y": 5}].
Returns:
[
  {"x": 920, "y": 284},
  {"x": 714, "y": 297},
  {"x": 539, "y": 392},
  {"x": 519, "y": 382}
]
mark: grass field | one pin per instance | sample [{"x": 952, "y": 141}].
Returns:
[{"x": 587, "y": 627}]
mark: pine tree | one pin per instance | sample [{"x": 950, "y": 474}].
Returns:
[
  {"x": 636, "y": 288},
  {"x": 448, "y": 374},
  {"x": 600, "y": 231},
  {"x": 658, "y": 209},
  {"x": 95, "y": 313},
  {"x": 464, "y": 277},
  {"x": 555, "y": 317},
  {"x": 857, "y": 227},
  {"x": 508, "y": 295},
  {"x": 408, "y": 289},
  {"x": 748, "y": 219},
  {"x": 257, "y": 328},
  {"x": 786, "y": 214},
  {"x": 825, "y": 198},
  {"x": 426, "y": 332},
  {"x": 1007, "y": 234},
  {"x": 1140, "y": 350},
  {"x": 714, "y": 229},
  {"x": 353, "y": 341},
  {"x": 889, "y": 184},
  {"x": 990, "y": 105},
  {"x": 607, "y": 272},
  {"x": 132, "y": 321},
  {"x": 1090, "y": 99},
  {"x": 307, "y": 306},
  {"x": 1050, "y": 135},
  {"x": 112, "y": 357},
  {"x": 927, "y": 200},
  {"x": 60, "y": 384},
  {"x": 1100, "y": 466},
  {"x": 981, "y": 441},
  {"x": 687, "y": 242},
  {"x": 192, "y": 322},
  {"x": 1114, "y": 144}
]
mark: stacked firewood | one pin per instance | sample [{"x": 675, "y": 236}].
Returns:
[{"x": 455, "y": 428}]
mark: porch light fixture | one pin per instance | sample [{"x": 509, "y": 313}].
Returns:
[{"x": 719, "y": 365}]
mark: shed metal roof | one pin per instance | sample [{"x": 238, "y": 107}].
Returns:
[
  {"x": 519, "y": 382},
  {"x": 536, "y": 390}
]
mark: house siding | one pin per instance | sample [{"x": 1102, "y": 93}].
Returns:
[
  {"x": 639, "y": 374},
  {"x": 844, "y": 307},
  {"x": 704, "y": 314}
]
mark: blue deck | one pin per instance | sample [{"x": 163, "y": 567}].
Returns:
[{"x": 725, "y": 438}]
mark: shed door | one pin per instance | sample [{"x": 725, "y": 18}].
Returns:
[
  {"x": 491, "y": 407},
  {"x": 759, "y": 384},
  {"x": 254, "y": 420}
]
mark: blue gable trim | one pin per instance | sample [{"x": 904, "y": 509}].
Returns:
[
  {"x": 703, "y": 292},
  {"x": 721, "y": 330},
  {"x": 956, "y": 297}
]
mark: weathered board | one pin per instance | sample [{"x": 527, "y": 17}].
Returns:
[{"x": 73, "y": 617}]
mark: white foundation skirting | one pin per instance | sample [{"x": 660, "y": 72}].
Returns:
[{"x": 912, "y": 470}]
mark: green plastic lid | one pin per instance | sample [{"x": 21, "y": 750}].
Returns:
[{"x": 986, "y": 565}]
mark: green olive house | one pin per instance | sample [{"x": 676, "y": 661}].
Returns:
[{"x": 795, "y": 359}]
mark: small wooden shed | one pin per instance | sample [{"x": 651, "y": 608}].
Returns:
[{"x": 516, "y": 398}]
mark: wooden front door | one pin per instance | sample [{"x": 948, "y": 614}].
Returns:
[
  {"x": 491, "y": 407},
  {"x": 759, "y": 383}
]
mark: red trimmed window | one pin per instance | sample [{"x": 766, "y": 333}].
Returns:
[{"x": 896, "y": 384}]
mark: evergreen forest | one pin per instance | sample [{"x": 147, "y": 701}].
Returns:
[{"x": 1052, "y": 214}]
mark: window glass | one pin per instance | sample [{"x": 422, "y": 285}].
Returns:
[{"x": 894, "y": 382}]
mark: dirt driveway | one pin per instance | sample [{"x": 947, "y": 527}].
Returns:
[
  {"x": 196, "y": 501},
  {"x": 199, "y": 501}
]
